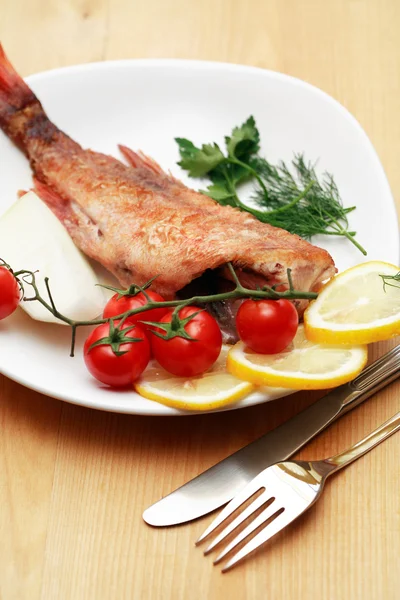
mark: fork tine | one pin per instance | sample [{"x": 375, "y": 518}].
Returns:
[
  {"x": 259, "y": 501},
  {"x": 244, "y": 495},
  {"x": 281, "y": 521},
  {"x": 266, "y": 514}
]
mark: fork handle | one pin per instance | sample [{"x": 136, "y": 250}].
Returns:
[{"x": 365, "y": 445}]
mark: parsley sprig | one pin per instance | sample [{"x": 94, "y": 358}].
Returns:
[{"x": 291, "y": 196}]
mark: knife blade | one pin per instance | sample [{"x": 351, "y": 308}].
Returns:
[{"x": 219, "y": 484}]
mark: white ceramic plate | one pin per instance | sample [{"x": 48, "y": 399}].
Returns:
[{"x": 144, "y": 104}]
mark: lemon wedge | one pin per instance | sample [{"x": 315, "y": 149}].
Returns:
[
  {"x": 213, "y": 389},
  {"x": 355, "y": 307},
  {"x": 304, "y": 365}
]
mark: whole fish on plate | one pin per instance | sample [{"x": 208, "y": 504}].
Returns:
[{"x": 139, "y": 221}]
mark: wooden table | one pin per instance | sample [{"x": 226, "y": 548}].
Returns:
[{"x": 74, "y": 482}]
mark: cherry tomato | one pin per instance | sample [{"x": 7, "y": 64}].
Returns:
[
  {"x": 9, "y": 293},
  {"x": 111, "y": 369},
  {"x": 187, "y": 358},
  {"x": 267, "y": 326},
  {"x": 116, "y": 306}
]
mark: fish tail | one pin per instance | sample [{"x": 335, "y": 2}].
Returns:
[
  {"x": 15, "y": 95},
  {"x": 20, "y": 111}
]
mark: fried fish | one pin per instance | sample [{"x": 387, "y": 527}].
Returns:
[{"x": 139, "y": 221}]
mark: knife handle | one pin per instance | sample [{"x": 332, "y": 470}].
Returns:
[{"x": 372, "y": 379}]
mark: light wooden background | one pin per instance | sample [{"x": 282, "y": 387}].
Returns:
[{"x": 74, "y": 482}]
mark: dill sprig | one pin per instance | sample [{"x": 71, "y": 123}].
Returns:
[
  {"x": 391, "y": 281},
  {"x": 293, "y": 198},
  {"x": 319, "y": 211}
]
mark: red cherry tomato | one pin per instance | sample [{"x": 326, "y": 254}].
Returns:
[
  {"x": 111, "y": 369},
  {"x": 267, "y": 326},
  {"x": 9, "y": 293},
  {"x": 187, "y": 358},
  {"x": 116, "y": 306}
]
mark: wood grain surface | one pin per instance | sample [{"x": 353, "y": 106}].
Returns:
[{"x": 74, "y": 482}]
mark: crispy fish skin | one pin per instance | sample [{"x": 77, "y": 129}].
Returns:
[{"x": 139, "y": 221}]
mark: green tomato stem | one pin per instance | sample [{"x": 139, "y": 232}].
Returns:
[{"x": 240, "y": 292}]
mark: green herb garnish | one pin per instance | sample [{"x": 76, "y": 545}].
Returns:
[
  {"x": 291, "y": 197},
  {"x": 391, "y": 281}
]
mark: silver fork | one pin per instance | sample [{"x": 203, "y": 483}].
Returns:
[{"x": 290, "y": 488}]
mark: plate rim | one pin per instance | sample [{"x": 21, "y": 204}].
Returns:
[{"x": 199, "y": 65}]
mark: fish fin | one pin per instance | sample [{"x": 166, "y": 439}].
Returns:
[
  {"x": 57, "y": 204},
  {"x": 15, "y": 95},
  {"x": 139, "y": 160},
  {"x": 85, "y": 233}
]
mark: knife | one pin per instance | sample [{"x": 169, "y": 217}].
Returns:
[{"x": 220, "y": 483}]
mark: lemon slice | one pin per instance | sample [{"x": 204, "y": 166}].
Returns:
[
  {"x": 304, "y": 365},
  {"x": 213, "y": 389},
  {"x": 355, "y": 307}
]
